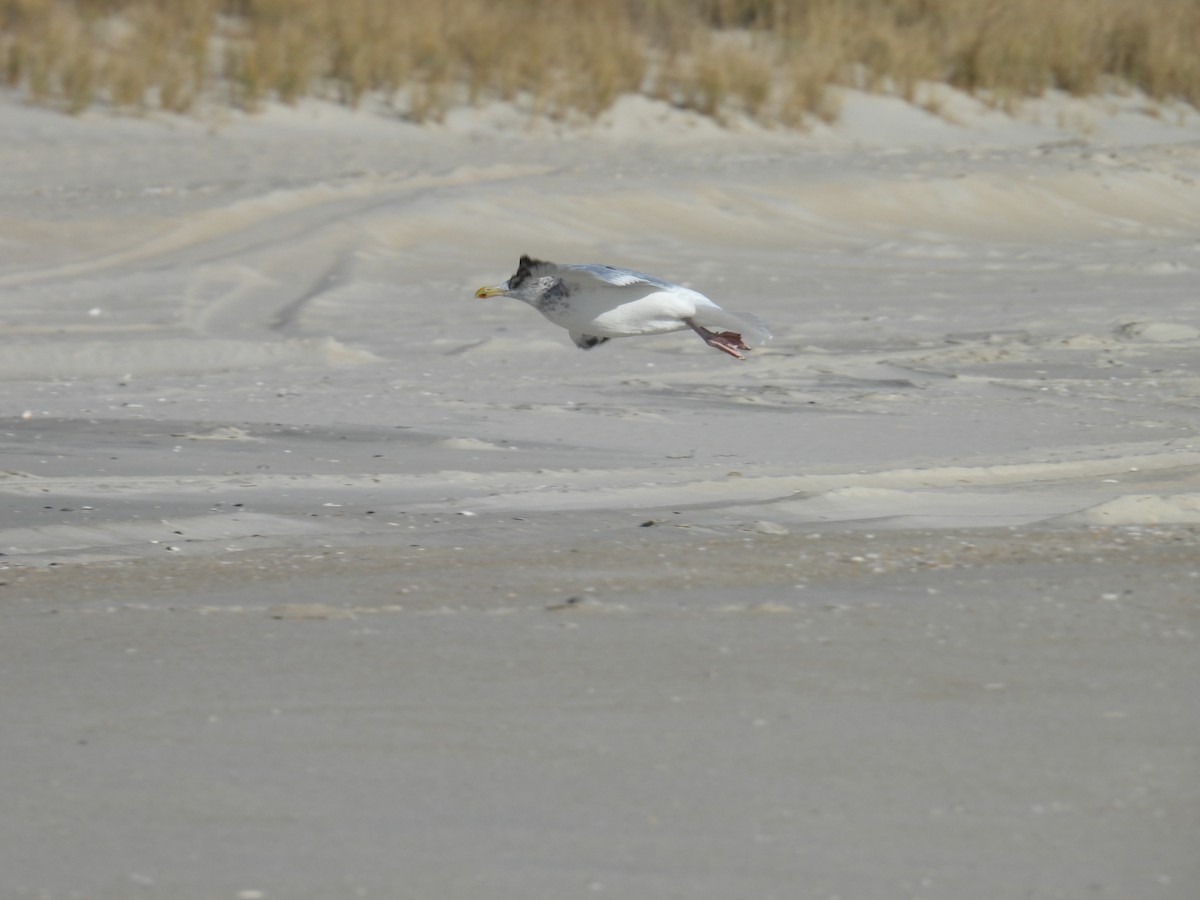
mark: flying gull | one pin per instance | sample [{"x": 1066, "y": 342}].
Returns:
[{"x": 595, "y": 303}]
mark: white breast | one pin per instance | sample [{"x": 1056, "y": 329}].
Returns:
[{"x": 613, "y": 311}]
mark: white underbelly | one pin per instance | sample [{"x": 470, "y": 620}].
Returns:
[{"x": 654, "y": 314}]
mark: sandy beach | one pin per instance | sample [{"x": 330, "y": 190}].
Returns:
[{"x": 322, "y": 578}]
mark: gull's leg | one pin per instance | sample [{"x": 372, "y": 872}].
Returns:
[{"x": 726, "y": 341}]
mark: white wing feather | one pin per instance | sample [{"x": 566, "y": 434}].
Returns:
[{"x": 616, "y": 276}]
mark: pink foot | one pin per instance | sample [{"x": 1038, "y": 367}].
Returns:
[{"x": 726, "y": 341}]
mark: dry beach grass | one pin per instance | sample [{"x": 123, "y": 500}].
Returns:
[{"x": 771, "y": 60}]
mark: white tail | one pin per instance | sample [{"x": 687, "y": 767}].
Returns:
[{"x": 754, "y": 330}]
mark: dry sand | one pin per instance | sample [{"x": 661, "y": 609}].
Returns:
[{"x": 322, "y": 578}]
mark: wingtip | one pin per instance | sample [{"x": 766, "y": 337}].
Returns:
[{"x": 758, "y": 332}]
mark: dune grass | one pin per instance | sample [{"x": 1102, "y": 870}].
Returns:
[{"x": 770, "y": 60}]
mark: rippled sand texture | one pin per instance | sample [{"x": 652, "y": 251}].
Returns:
[{"x": 323, "y": 578}]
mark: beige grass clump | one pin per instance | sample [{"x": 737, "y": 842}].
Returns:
[
  {"x": 771, "y": 60},
  {"x": 46, "y": 50}
]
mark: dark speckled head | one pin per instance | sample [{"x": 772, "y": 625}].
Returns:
[
  {"x": 536, "y": 282},
  {"x": 525, "y": 271}
]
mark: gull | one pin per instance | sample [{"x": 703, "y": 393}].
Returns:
[{"x": 595, "y": 303}]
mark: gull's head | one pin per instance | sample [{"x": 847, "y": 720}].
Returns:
[
  {"x": 525, "y": 285},
  {"x": 495, "y": 290}
]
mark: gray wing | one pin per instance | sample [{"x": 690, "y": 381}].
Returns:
[{"x": 616, "y": 276}]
